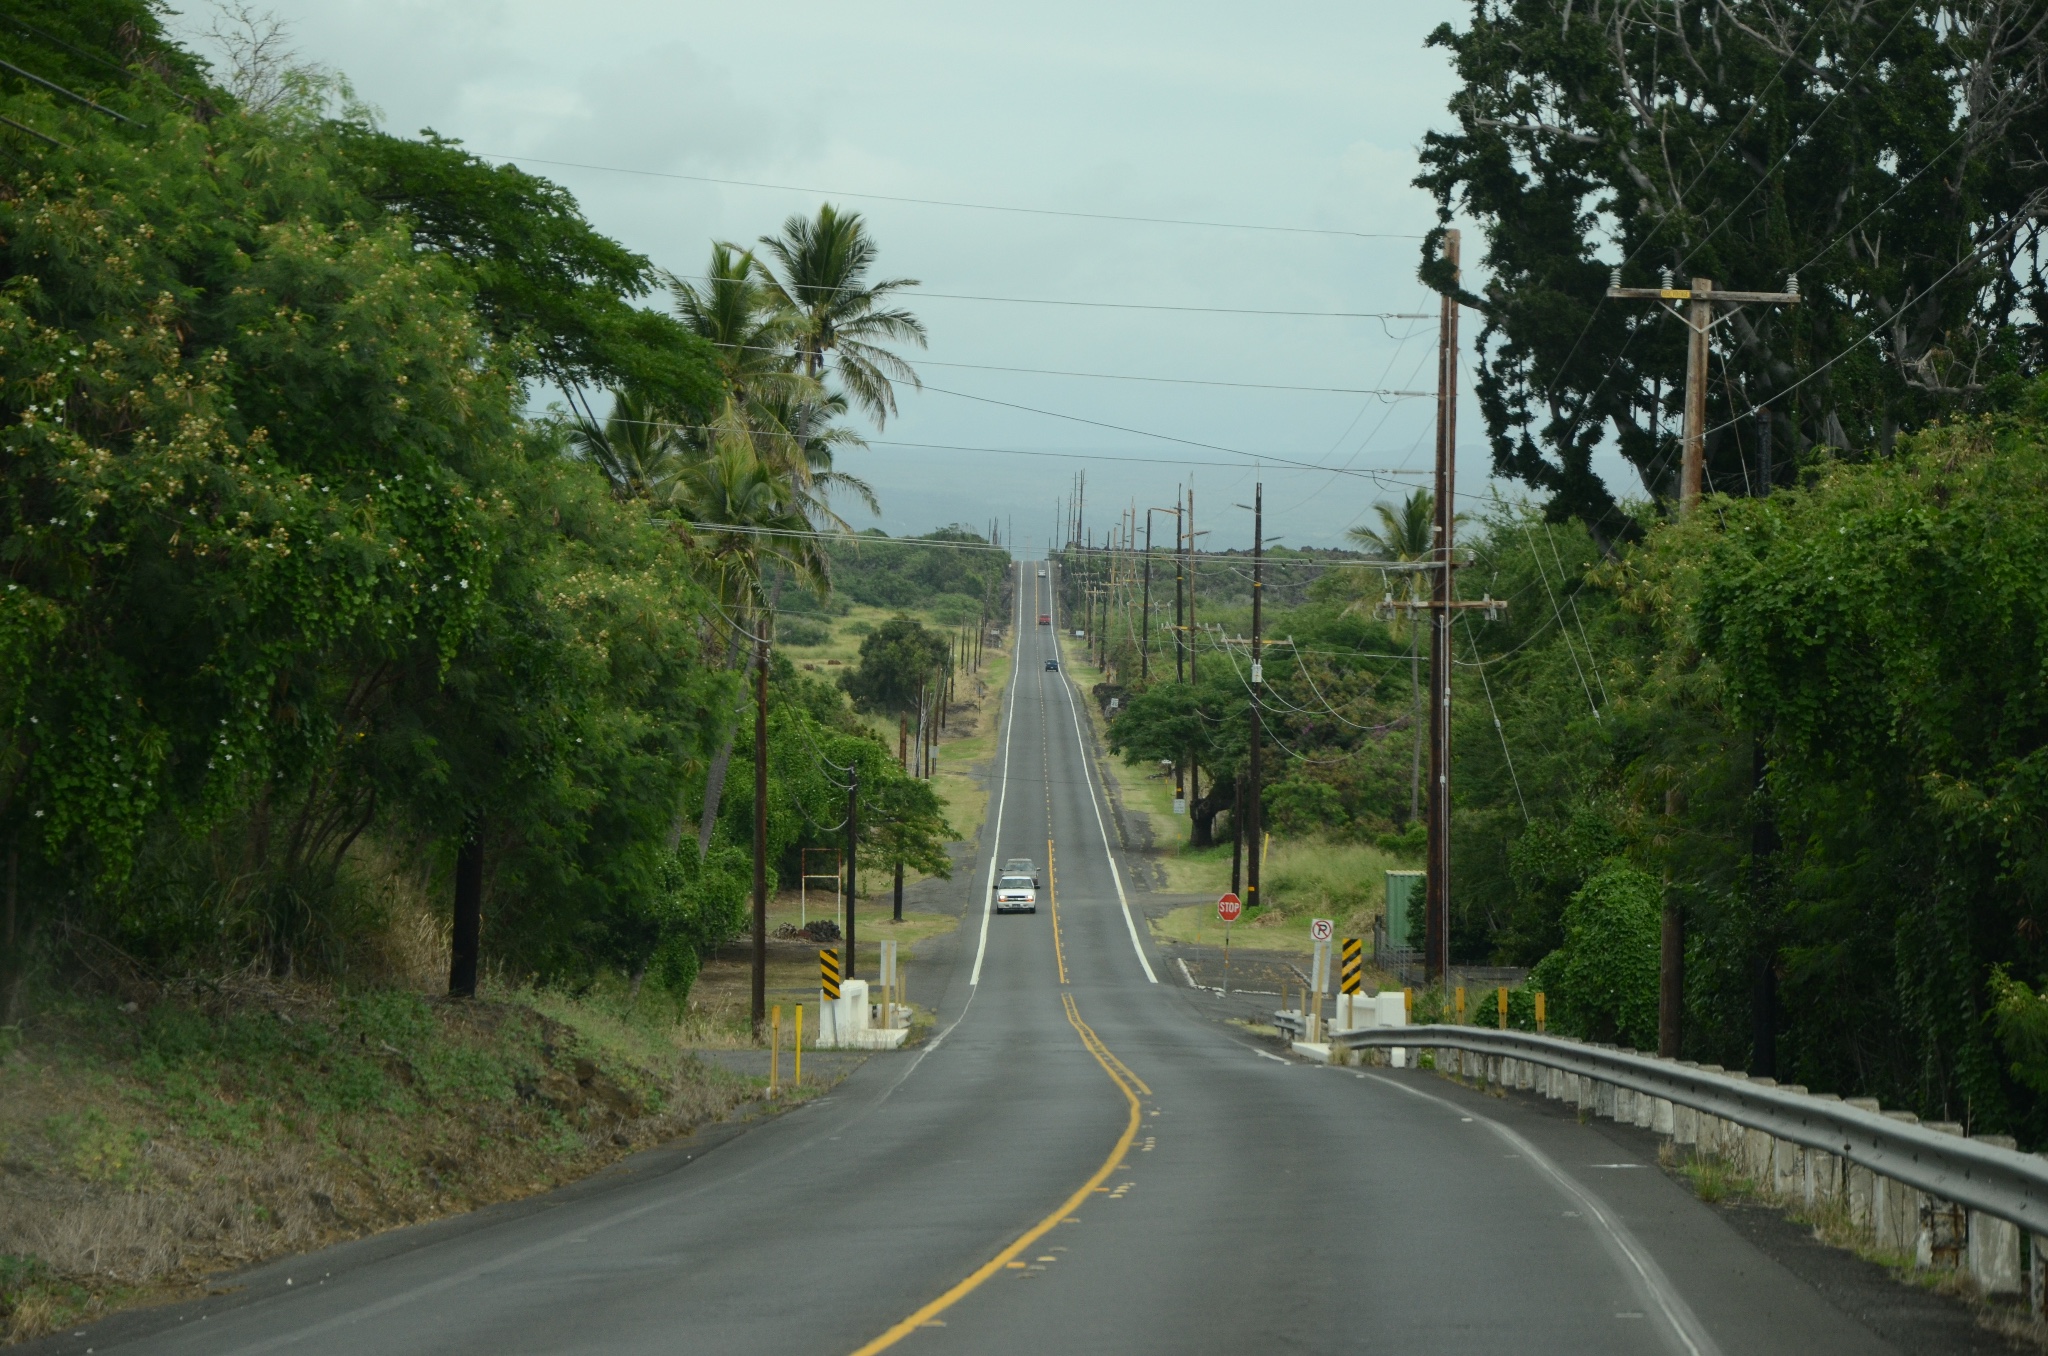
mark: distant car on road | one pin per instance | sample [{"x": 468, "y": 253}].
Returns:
[
  {"x": 1045, "y": 619},
  {"x": 1016, "y": 894},
  {"x": 1022, "y": 866},
  {"x": 1052, "y": 664}
]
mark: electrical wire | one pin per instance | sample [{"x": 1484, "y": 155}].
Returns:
[
  {"x": 1498, "y": 728},
  {"x": 813, "y": 288},
  {"x": 965, "y": 206},
  {"x": 1375, "y": 474},
  {"x": 1573, "y": 599},
  {"x": 1380, "y": 393}
]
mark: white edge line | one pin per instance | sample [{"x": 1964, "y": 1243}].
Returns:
[
  {"x": 1684, "y": 1324},
  {"x": 995, "y": 836},
  {"x": 1067, "y": 683}
]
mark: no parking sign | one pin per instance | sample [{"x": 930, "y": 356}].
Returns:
[{"x": 1322, "y": 929}]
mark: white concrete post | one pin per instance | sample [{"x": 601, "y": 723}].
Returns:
[{"x": 1993, "y": 1250}]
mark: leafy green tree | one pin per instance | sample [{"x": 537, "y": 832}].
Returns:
[
  {"x": 284, "y": 569},
  {"x": 897, "y": 661},
  {"x": 1603, "y": 980},
  {"x": 824, "y": 286},
  {"x": 1201, "y": 723},
  {"x": 557, "y": 295},
  {"x": 1744, "y": 142}
]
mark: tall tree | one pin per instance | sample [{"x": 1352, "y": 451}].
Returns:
[
  {"x": 823, "y": 283},
  {"x": 1884, "y": 153}
]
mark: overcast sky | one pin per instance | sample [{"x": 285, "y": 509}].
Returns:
[{"x": 1305, "y": 116}]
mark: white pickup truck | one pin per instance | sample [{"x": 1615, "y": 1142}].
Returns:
[{"x": 1016, "y": 892}]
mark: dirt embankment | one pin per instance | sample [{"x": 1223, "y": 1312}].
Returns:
[{"x": 148, "y": 1145}]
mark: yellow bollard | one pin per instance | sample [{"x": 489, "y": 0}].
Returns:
[
  {"x": 798, "y": 1080},
  {"x": 1461, "y": 1005},
  {"x": 1539, "y": 1010},
  {"x": 1408, "y": 1004},
  {"x": 1503, "y": 1009},
  {"x": 774, "y": 1044}
]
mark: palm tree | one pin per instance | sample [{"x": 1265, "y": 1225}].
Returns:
[
  {"x": 741, "y": 517},
  {"x": 756, "y": 492},
  {"x": 822, "y": 284},
  {"x": 639, "y": 452},
  {"x": 1407, "y": 534}
]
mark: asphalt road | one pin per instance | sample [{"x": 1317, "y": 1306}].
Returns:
[{"x": 1081, "y": 1160}]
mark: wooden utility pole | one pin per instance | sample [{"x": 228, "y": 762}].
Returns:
[
  {"x": 1145, "y": 606},
  {"x": 1437, "y": 878},
  {"x": 1145, "y": 640},
  {"x": 1701, "y": 299},
  {"x": 852, "y": 864},
  {"x": 760, "y": 985},
  {"x": 466, "y": 940},
  {"x": 1253, "y": 819},
  {"x": 1187, "y": 638},
  {"x": 902, "y": 761}
]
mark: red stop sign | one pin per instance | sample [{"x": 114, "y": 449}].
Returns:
[{"x": 1228, "y": 908}]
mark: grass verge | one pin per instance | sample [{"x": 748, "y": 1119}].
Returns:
[{"x": 150, "y": 1145}]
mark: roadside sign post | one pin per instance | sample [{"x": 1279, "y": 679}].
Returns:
[
  {"x": 1228, "y": 909},
  {"x": 1321, "y": 931},
  {"x": 888, "y": 984}
]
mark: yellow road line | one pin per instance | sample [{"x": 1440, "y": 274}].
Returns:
[
  {"x": 1052, "y": 897},
  {"x": 1129, "y": 1086}
]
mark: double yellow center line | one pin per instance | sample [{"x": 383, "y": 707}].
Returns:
[{"x": 1131, "y": 1086}]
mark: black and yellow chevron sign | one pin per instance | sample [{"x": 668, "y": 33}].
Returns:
[
  {"x": 1352, "y": 974},
  {"x": 828, "y": 972}
]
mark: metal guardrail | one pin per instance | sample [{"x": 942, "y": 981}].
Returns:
[{"x": 2005, "y": 1183}]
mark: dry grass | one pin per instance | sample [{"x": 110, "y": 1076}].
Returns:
[{"x": 147, "y": 1147}]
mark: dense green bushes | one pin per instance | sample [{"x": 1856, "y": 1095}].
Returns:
[{"x": 297, "y": 600}]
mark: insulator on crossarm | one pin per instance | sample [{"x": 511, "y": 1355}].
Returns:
[
  {"x": 1614, "y": 276},
  {"x": 1665, "y": 275},
  {"x": 1792, "y": 284}
]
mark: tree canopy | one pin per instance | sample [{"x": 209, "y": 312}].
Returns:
[{"x": 1881, "y": 154}]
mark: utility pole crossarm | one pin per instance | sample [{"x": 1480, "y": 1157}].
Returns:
[
  {"x": 1702, "y": 294},
  {"x": 1700, "y": 298}
]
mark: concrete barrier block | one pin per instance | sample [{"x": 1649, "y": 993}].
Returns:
[
  {"x": 1788, "y": 1168},
  {"x": 1685, "y": 1126},
  {"x": 1994, "y": 1246},
  {"x": 1663, "y": 1117},
  {"x": 1646, "y": 1111},
  {"x": 1624, "y": 1106},
  {"x": 842, "y": 1019},
  {"x": 2037, "y": 1274},
  {"x": 1895, "y": 1207},
  {"x": 1944, "y": 1235},
  {"x": 1603, "y": 1099},
  {"x": 1756, "y": 1156},
  {"x": 1393, "y": 1008},
  {"x": 1862, "y": 1190}
]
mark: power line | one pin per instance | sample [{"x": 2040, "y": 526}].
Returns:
[
  {"x": 1189, "y": 381},
  {"x": 1373, "y": 473},
  {"x": 1498, "y": 728},
  {"x": 1257, "y": 458},
  {"x": 965, "y": 206},
  {"x": 922, "y": 295}
]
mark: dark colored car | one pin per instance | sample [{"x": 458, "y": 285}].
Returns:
[{"x": 1052, "y": 663}]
